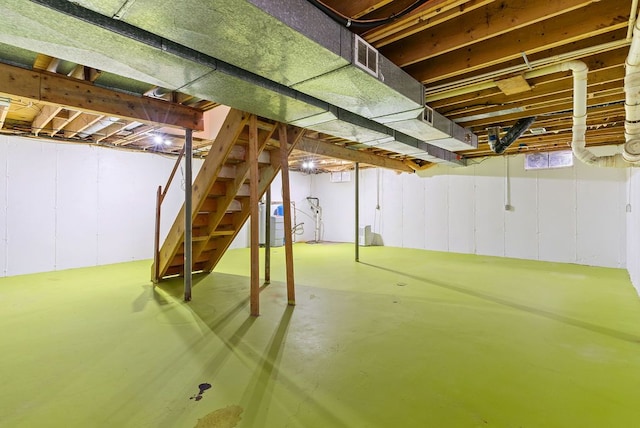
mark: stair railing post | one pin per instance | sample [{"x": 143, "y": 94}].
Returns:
[
  {"x": 254, "y": 184},
  {"x": 159, "y": 200}
]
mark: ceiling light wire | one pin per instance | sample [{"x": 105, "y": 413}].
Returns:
[{"x": 364, "y": 23}]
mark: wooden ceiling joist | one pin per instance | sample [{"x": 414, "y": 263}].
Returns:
[
  {"x": 109, "y": 131},
  {"x": 80, "y": 123},
  {"x": 79, "y": 95},
  {"x": 4, "y": 110},
  {"x": 62, "y": 120},
  {"x": 492, "y": 20},
  {"x": 46, "y": 114},
  {"x": 580, "y": 24}
]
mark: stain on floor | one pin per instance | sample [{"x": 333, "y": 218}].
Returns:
[
  {"x": 227, "y": 417},
  {"x": 202, "y": 388}
]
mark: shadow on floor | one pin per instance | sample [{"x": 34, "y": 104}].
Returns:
[
  {"x": 219, "y": 305},
  {"x": 621, "y": 335}
]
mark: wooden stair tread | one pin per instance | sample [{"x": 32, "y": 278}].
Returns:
[{"x": 221, "y": 193}]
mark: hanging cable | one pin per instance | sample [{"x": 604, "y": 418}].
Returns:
[{"x": 364, "y": 23}]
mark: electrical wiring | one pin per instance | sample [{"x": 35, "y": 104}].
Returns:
[{"x": 364, "y": 23}]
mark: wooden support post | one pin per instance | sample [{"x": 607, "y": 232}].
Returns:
[
  {"x": 357, "y": 182},
  {"x": 254, "y": 213},
  {"x": 267, "y": 238},
  {"x": 188, "y": 217},
  {"x": 286, "y": 202}
]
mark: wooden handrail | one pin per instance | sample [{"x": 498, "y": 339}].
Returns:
[
  {"x": 161, "y": 194},
  {"x": 173, "y": 173}
]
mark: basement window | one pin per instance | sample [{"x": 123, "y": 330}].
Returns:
[
  {"x": 340, "y": 176},
  {"x": 548, "y": 160}
]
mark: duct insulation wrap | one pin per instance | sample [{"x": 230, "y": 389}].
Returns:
[
  {"x": 145, "y": 57},
  {"x": 347, "y": 125},
  {"x": 147, "y": 40},
  {"x": 295, "y": 44}
]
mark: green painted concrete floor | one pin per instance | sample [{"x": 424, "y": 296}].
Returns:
[{"x": 407, "y": 338}]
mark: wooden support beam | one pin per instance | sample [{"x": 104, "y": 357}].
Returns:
[
  {"x": 327, "y": 149},
  {"x": 64, "y": 91},
  {"x": 286, "y": 204},
  {"x": 253, "y": 210}
]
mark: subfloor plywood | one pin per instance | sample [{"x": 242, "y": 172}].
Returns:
[{"x": 407, "y": 338}]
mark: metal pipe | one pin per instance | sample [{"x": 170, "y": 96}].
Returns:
[
  {"x": 357, "y": 210},
  {"x": 156, "y": 239},
  {"x": 267, "y": 238},
  {"x": 188, "y": 215}
]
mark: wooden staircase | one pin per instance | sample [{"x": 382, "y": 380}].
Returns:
[{"x": 221, "y": 193}]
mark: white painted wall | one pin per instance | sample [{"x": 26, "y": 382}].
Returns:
[
  {"x": 299, "y": 190},
  {"x": 633, "y": 228},
  {"x": 570, "y": 215},
  {"x": 67, "y": 205}
]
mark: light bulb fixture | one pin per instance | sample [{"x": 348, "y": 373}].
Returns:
[
  {"x": 157, "y": 139},
  {"x": 167, "y": 142}
]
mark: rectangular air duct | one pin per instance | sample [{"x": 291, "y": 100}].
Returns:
[
  {"x": 295, "y": 44},
  {"x": 283, "y": 60}
]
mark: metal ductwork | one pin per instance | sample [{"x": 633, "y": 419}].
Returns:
[
  {"x": 290, "y": 63},
  {"x": 118, "y": 48},
  {"x": 344, "y": 124}
]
